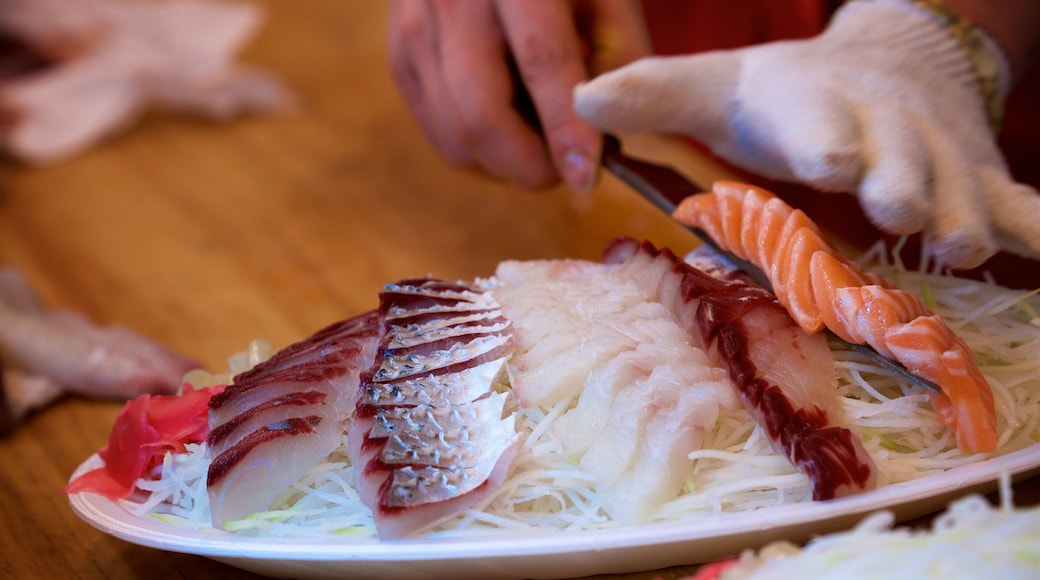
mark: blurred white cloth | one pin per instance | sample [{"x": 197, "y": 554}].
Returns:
[{"x": 113, "y": 59}]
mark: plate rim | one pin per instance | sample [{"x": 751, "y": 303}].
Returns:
[{"x": 114, "y": 519}]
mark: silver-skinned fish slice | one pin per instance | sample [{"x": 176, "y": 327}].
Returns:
[
  {"x": 435, "y": 460},
  {"x": 430, "y": 436}
]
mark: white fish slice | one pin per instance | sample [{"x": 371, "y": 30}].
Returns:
[
  {"x": 644, "y": 394},
  {"x": 784, "y": 376}
]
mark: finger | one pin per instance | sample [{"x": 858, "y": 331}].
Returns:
[
  {"x": 896, "y": 192},
  {"x": 481, "y": 90},
  {"x": 959, "y": 234},
  {"x": 1014, "y": 212},
  {"x": 549, "y": 57},
  {"x": 413, "y": 51},
  {"x": 792, "y": 115},
  {"x": 692, "y": 95}
]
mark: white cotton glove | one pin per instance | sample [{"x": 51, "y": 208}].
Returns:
[{"x": 885, "y": 103}]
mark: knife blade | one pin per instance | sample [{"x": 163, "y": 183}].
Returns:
[{"x": 665, "y": 188}]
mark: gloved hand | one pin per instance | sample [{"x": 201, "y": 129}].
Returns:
[{"x": 885, "y": 103}]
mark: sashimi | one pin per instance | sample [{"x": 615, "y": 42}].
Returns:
[
  {"x": 545, "y": 297},
  {"x": 431, "y": 435},
  {"x": 338, "y": 341},
  {"x": 642, "y": 395},
  {"x": 640, "y": 452},
  {"x": 784, "y": 376},
  {"x": 295, "y": 404},
  {"x": 64, "y": 351},
  {"x": 277, "y": 420},
  {"x": 248, "y": 476},
  {"x": 245, "y": 394},
  {"x": 820, "y": 287}
]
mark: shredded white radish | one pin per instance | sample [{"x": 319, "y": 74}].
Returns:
[
  {"x": 736, "y": 470},
  {"x": 971, "y": 539}
]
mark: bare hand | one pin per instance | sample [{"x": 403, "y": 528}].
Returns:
[{"x": 491, "y": 81}]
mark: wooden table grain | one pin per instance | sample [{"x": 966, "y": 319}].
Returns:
[{"x": 206, "y": 236}]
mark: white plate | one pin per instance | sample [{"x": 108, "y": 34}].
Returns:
[{"x": 551, "y": 554}]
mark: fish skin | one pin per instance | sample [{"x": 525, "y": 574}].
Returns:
[
  {"x": 451, "y": 443},
  {"x": 429, "y": 437},
  {"x": 459, "y": 387},
  {"x": 334, "y": 340},
  {"x": 398, "y": 522},
  {"x": 295, "y": 407},
  {"x": 413, "y": 362}
]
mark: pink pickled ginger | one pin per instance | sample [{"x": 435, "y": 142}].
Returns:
[{"x": 145, "y": 429}]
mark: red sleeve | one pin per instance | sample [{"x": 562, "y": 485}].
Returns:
[{"x": 685, "y": 26}]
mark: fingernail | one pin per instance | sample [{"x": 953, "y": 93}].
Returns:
[{"x": 579, "y": 171}]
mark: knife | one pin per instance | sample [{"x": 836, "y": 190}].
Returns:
[{"x": 665, "y": 188}]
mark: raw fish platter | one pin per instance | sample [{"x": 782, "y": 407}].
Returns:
[{"x": 652, "y": 386}]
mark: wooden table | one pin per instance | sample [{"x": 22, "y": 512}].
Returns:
[{"x": 206, "y": 236}]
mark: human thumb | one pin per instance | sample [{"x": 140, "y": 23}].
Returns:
[{"x": 692, "y": 95}]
